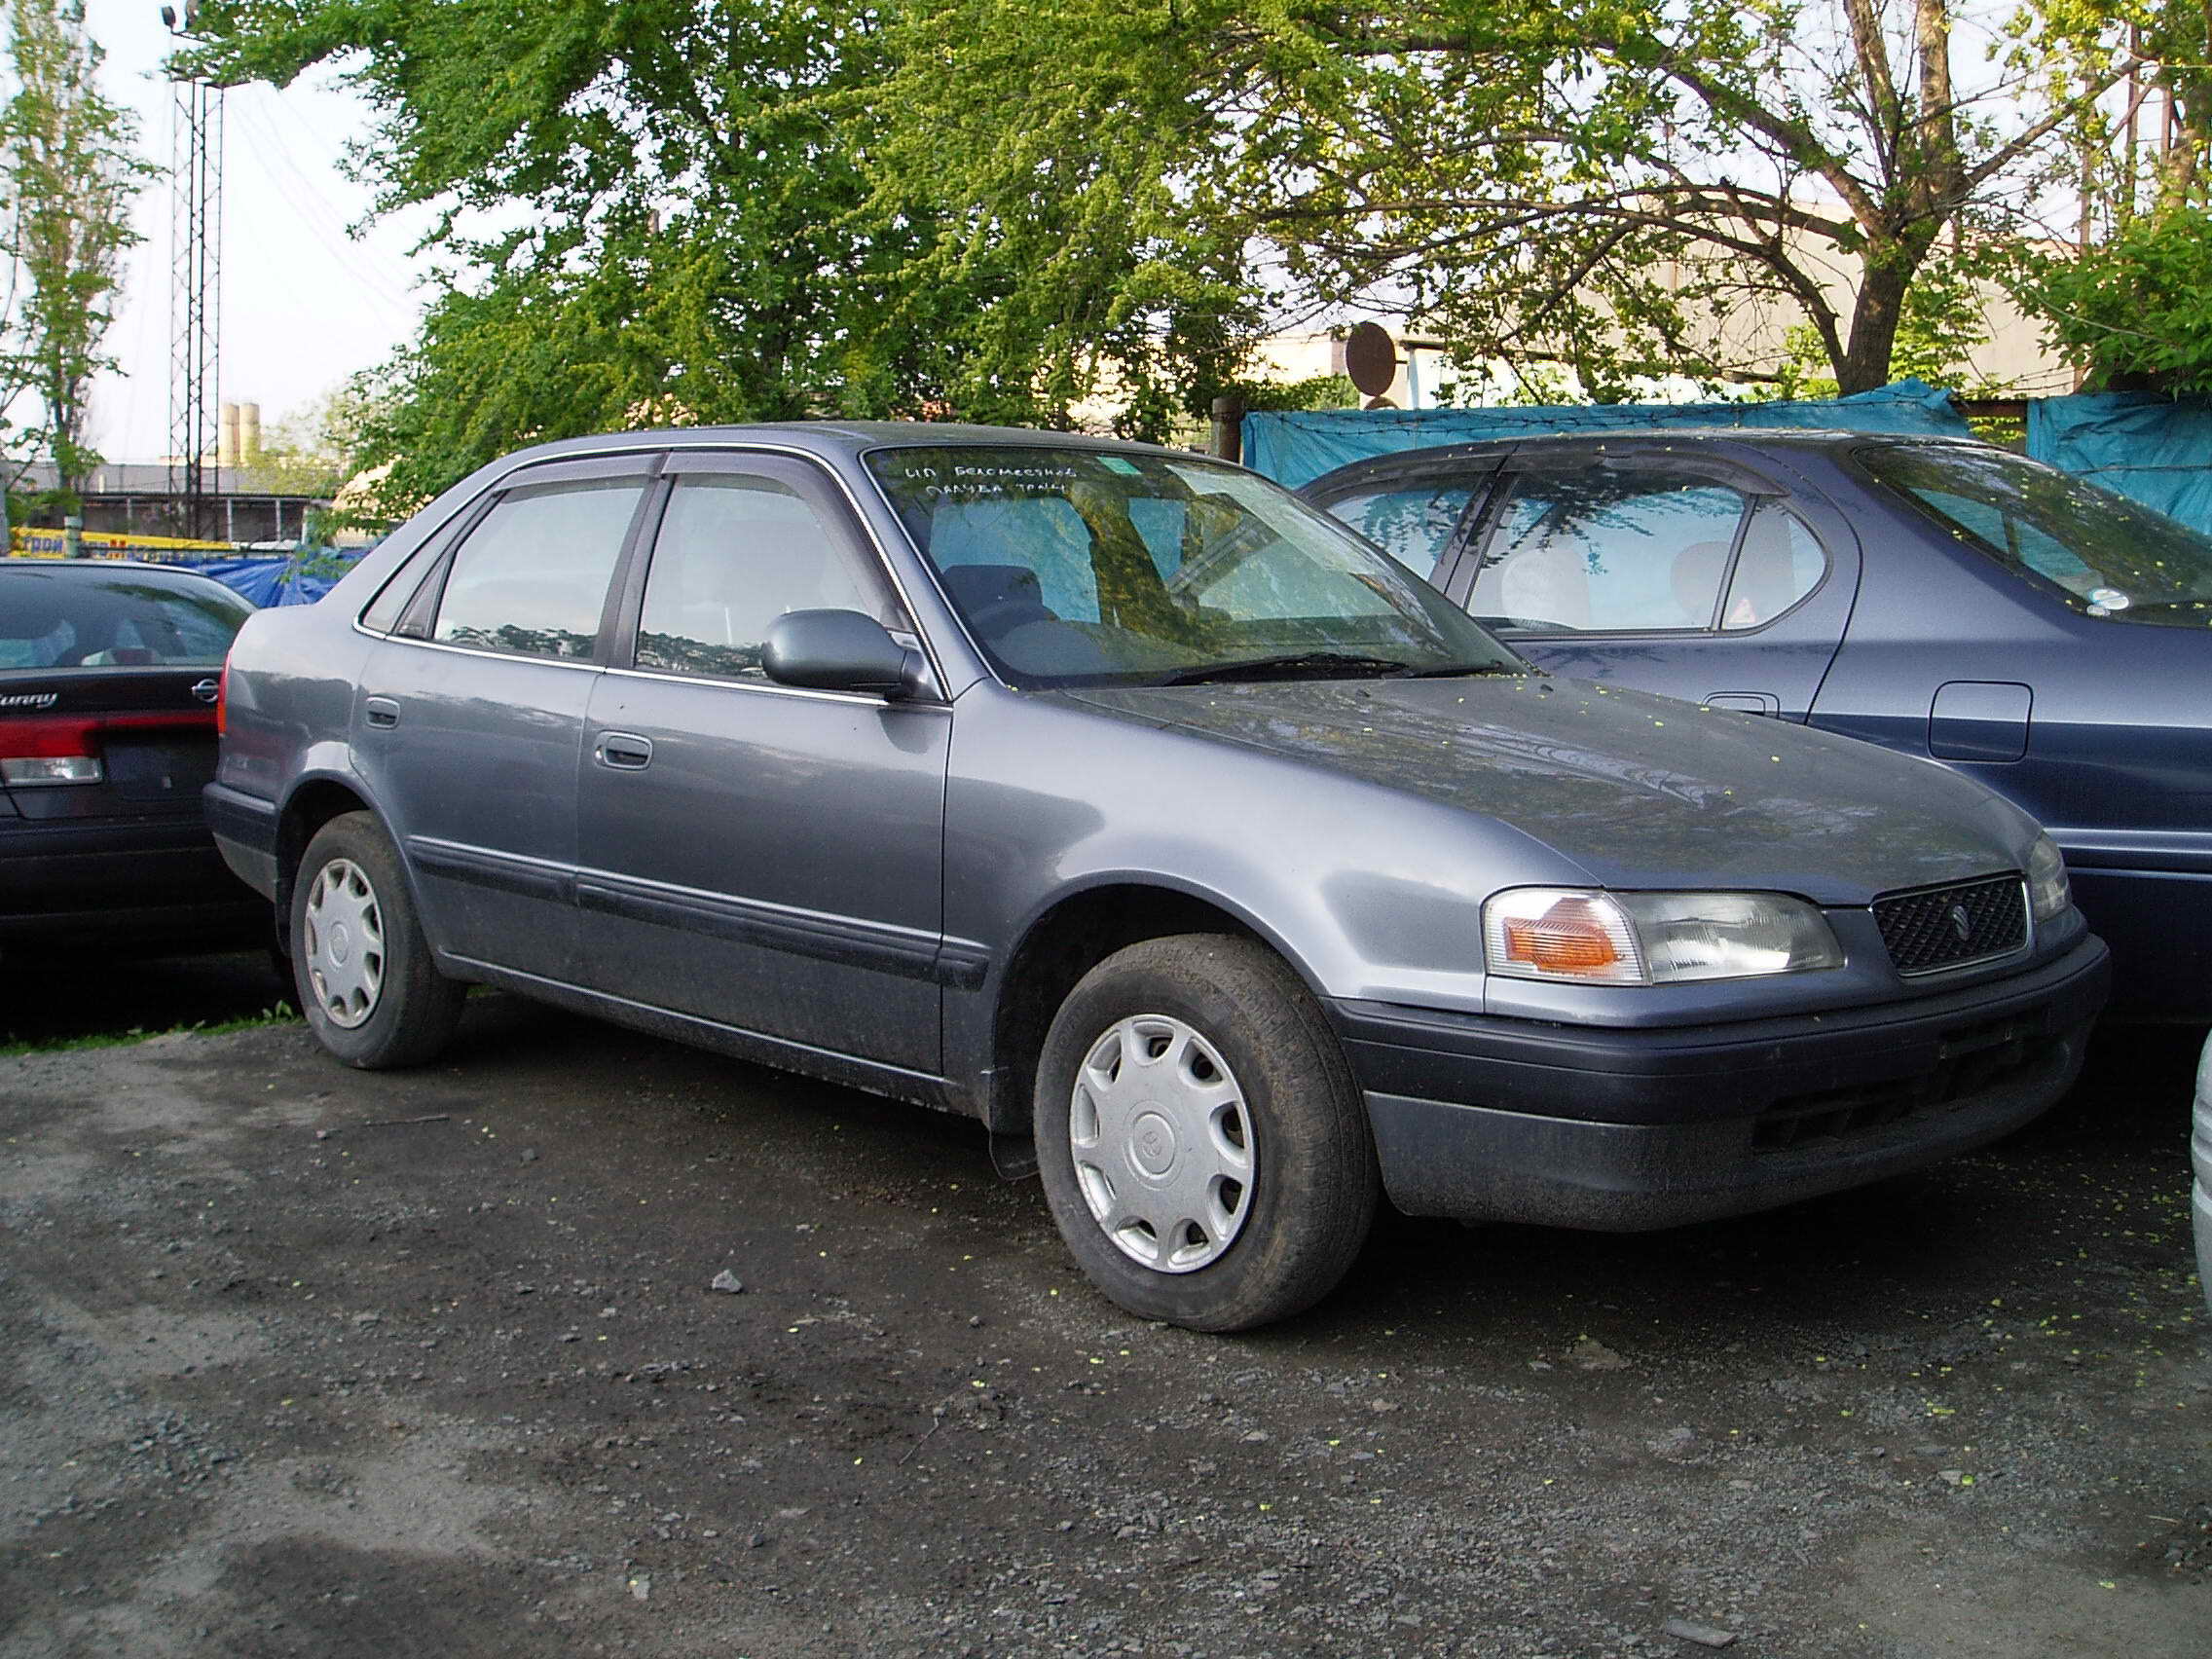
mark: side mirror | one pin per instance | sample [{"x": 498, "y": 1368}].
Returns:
[{"x": 838, "y": 650}]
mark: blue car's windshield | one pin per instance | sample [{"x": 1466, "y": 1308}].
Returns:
[
  {"x": 2105, "y": 555},
  {"x": 1089, "y": 567}
]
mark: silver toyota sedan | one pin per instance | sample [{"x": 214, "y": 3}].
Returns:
[{"x": 1110, "y": 795}]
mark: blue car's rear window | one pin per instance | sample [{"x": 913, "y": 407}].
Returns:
[{"x": 2103, "y": 554}]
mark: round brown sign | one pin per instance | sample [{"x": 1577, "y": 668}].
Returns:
[{"x": 1370, "y": 358}]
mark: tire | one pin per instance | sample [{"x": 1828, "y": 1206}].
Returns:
[
  {"x": 359, "y": 962},
  {"x": 1255, "y": 1125}
]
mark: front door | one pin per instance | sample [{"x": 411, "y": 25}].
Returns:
[{"x": 763, "y": 857}]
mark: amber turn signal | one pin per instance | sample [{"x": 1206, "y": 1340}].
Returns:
[{"x": 1569, "y": 937}]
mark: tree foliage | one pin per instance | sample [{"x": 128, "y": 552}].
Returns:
[
  {"x": 648, "y": 211},
  {"x": 724, "y": 209},
  {"x": 1606, "y": 183},
  {"x": 67, "y": 157}
]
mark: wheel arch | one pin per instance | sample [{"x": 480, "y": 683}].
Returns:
[
  {"x": 1071, "y": 933},
  {"x": 314, "y": 800}
]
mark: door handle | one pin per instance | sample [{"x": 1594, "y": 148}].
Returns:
[
  {"x": 1746, "y": 702},
  {"x": 382, "y": 712},
  {"x": 625, "y": 751}
]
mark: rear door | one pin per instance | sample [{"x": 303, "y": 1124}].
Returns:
[
  {"x": 1686, "y": 576},
  {"x": 468, "y": 720}
]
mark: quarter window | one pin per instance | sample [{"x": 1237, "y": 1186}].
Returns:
[
  {"x": 1779, "y": 565},
  {"x": 735, "y": 552},
  {"x": 532, "y": 578},
  {"x": 1597, "y": 552}
]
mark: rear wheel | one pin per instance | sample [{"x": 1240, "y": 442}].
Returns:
[
  {"x": 361, "y": 963},
  {"x": 1202, "y": 1145}
]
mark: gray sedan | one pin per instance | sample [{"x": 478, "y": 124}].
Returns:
[{"x": 1112, "y": 796}]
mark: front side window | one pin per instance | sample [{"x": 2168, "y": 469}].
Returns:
[
  {"x": 1087, "y": 566},
  {"x": 1595, "y": 551},
  {"x": 2104, "y": 555},
  {"x": 735, "y": 552},
  {"x": 532, "y": 578},
  {"x": 1412, "y": 522},
  {"x": 115, "y": 619}
]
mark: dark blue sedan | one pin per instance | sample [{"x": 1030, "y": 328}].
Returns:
[{"x": 1944, "y": 598}]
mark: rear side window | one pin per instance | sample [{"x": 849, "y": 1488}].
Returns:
[
  {"x": 532, "y": 578},
  {"x": 115, "y": 619},
  {"x": 1595, "y": 552},
  {"x": 734, "y": 553}
]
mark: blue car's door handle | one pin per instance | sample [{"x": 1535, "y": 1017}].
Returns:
[
  {"x": 1748, "y": 702},
  {"x": 623, "y": 751},
  {"x": 382, "y": 712}
]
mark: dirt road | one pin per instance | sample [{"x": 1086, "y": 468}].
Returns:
[{"x": 304, "y": 1361}]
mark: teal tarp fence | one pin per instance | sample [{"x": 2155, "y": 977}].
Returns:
[
  {"x": 1297, "y": 449},
  {"x": 2156, "y": 450}
]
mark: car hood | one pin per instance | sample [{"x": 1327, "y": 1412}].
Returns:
[{"x": 1640, "y": 791}]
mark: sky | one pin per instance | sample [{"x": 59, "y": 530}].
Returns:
[{"x": 304, "y": 304}]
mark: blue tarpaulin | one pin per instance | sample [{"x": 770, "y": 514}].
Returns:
[
  {"x": 298, "y": 579},
  {"x": 2156, "y": 449},
  {"x": 1297, "y": 449}
]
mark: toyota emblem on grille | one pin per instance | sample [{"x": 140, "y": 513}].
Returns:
[
  {"x": 206, "y": 690},
  {"x": 1962, "y": 924}
]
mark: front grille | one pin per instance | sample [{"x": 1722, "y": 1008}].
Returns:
[
  {"x": 1949, "y": 926},
  {"x": 1975, "y": 1060}
]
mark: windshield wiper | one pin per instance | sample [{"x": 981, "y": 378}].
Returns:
[
  {"x": 1345, "y": 664},
  {"x": 1468, "y": 670}
]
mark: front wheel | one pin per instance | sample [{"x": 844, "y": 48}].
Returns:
[
  {"x": 366, "y": 982},
  {"x": 1204, "y": 1148}
]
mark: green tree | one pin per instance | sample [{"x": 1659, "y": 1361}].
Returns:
[
  {"x": 70, "y": 168},
  {"x": 648, "y": 211},
  {"x": 2130, "y": 299},
  {"x": 1599, "y": 183}
]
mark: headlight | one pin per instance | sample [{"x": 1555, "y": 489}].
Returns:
[
  {"x": 1652, "y": 938},
  {"x": 2047, "y": 891}
]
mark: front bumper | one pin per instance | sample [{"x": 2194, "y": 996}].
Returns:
[
  {"x": 1622, "y": 1130},
  {"x": 2201, "y": 1159}
]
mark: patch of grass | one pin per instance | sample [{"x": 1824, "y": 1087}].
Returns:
[{"x": 279, "y": 1014}]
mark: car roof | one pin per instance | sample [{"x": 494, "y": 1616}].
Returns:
[
  {"x": 831, "y": 439},
  {"x": 1694, "y": 437}
]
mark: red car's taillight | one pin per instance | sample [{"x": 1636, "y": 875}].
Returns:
[
  {"x": 49, "y": 752},
  {"x": 66, "y": 749},
  {"x": 223, "y": 697}
]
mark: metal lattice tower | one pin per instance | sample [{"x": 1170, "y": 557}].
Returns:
[{"x": 196, "y": 301}]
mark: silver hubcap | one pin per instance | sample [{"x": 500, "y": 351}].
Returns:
[
  {"x": 345, "y": 941},
  {"x": 1163, "y": 1143}
]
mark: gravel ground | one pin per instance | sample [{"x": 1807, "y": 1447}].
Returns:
[{"x": 307, "y": 1361}]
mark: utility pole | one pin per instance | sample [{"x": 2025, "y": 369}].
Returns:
[{"x": 196, "y": 288}]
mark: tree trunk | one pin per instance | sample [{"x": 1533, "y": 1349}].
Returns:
[{"x": 1875, "y": 316}]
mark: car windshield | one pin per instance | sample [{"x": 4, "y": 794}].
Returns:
[
  {"x": 2105, "y": 555},
  {"x": 76, "y": 618},
  {"x": 1074, "y": 567}
]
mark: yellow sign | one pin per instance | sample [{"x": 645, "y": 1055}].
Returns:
[{"x": 100, "y": 544}]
